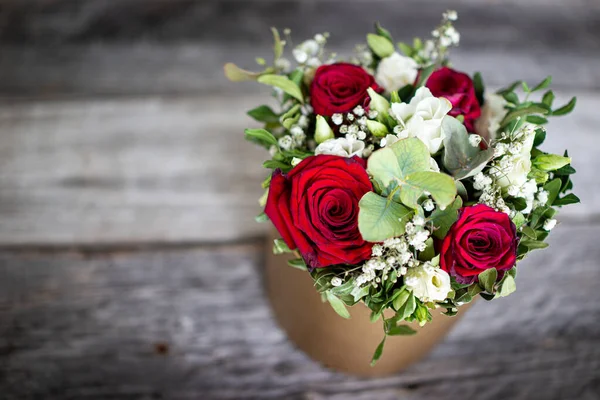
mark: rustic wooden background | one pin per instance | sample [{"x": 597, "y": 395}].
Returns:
[{"x": 129, "y": 258}]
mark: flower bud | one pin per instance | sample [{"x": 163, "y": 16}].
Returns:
[
  {"x": 379, "y": 104},
  {"x": 377, "y": 128},
  {"x": 323, "y": 131}
]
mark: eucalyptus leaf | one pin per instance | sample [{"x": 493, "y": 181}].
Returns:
[
  {"x": 440, "y": 186},
  {"x": 402, "y": 158},
  {"x": 283, "y": 83},
  {"x": 460, "y": 158},
  {"x": 380, "y": 218}
]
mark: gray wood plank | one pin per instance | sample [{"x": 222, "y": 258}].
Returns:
[
  {"x": 164, "y": 169},
  {"x": 196, "y": 68},
  {"x": 193, "y": 322},
  {"x": 523, "y": 24}
]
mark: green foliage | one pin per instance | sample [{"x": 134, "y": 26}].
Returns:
[
  {"x": 380, "y": 45},
  {"x": 479, "y": 87},
  {"x": 550, "y": 162},
  {"x": 401, "y": 330},
  {"x": 284, "y": 83},
  {"x": 444, "y": 219},
  {"x": 566, "y": 109},
  {"x": 298, "y": 263},
  {"x": 378, "y": 351},
  {"x": 261, "y": 137},
  {"x": 280, "y": 247},
  {"x": 264, "y": 114},
  {"x": 460, "y": 158},
  {"x": 487, "y": 279},
  {"x": 380, "y": 218},
  {"x": 338, "y": 306}
]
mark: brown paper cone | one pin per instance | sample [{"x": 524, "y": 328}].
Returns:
[{"x": 342, "y": 344}]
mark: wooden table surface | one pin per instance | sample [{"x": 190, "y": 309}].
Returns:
[{"x": 130, "y": 262}]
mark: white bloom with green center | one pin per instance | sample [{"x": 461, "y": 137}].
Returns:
[
  {"x": 422, "y": 118},
  {"x": 428, "y": 283},
  {"x": 343, "y": 147},
  {"x": 396, "y": 71}
]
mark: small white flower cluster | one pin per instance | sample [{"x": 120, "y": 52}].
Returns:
[
  {"x": 512, "y": 164},
  {"x": 310, "y": 52},
  {"x": 354, "y": 126},
  {"x": 444, "y": 36},
  {"x": 296, "y": 137},
  {"x": 491, "y": 194},
  {"x": 395, "y": 254},
  {"x": 363, "y": 56}
]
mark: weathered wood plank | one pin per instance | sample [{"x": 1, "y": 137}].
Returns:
[
  {"x": 547, "y": 24},
  {"x": 169, "y": 169},
  {"x": 196, "y": 68},
  {"x": 193, "y": 323}
]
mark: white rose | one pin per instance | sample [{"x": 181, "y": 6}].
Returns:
[
  {"x": 492, "y": 113},
  {"x": 428, "y": 283},
  {"x": 422, "y": 118},
  {"x": 342, "y": 147},
  {"x": 396, "y": 71}
]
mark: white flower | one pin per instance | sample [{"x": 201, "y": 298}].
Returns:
[
  {"x": 474, "y": 140},
  {"x": 428, "y": 205},
  {"x": 343, "y": 147},
  {"x": 296, "y": 161},
  {"x": 396, "y": 71},
  {"x": 286, "y": 142},
  {"x": 306, "y": 50},
  {"x": 336, "y": 281},
  {"x": 433, "y": 165},
  {"x": 428, "y": 283},
  {"x": 492, "y": 113},
  {"x": 549, "y": 224},
  {"x": 542, "y": 196},
  {"x": 422, "y": 118}
]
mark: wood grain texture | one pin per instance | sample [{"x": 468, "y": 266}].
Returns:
[
  {"x": 166, "y": 169},
  {"x": 194, "y": 323},
  {"x": 547, "y": 24}
]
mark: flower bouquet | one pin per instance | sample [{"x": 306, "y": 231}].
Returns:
[{"x": 401, "y": 183}]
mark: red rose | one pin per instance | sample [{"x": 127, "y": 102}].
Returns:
[
  {"x": 482, "y": 238},
  {"x": 315, "y": 209},
  {"x": 458, "y": 88},
  {"x": 338, "y": 88}
]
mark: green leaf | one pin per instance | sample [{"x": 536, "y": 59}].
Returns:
[
  {"x": 536, "y": 119},
  {"x": 525, "y": 87},
  {"x": 405, "y": 92},
  {"x": 262, "y": 217},
  {"x": 400, "y": 299},
  {"x": 298, "y": 263},
  {"x": 568, "y": 199},
  {"x": 487, "y": 279},
  {"x": 401, "y": 330},
  {"x": 522, "y": 112},
  {"x": 550, "y": 162},
  {"x": 529, "y": 232},
  {"x": 543, "y": 84},
  {"x": 380, "y": 45},
  {"x": 440, "y": 186},
  {"x": 283, "y": 83},
  {"x": 567, "y": 108},
  {"x": 378, "y": 352},
  {"x": 398, "y": 160},
  {"x": 260, "y": 136},
  {"x": 460, "y": 158},
  {"x": 381, "y": 31},
  {"x": 360, "y": 292},
  {"x": 444, "y": 219},
  {"x": 508, "y": 286},
  {"x": 407, "y": 309},
  {"x": 264, "y": 114},
  {"x": 406, "y": 49},
  {"x": 424, "y": 75},
  {"x": 274, "y": 164},
  {"x": 540, "y": 136},
  {"x": 511, "y": 97},
  {"x": 277, "y": 44},
  {"x": 518, "y": 219},
  {"x": 533, "y": 244},
  {"x": 380, "y": 218},
  {"x": 236, "y": 74},
  {"x": 280, "y": 247},
  {"x": 510, "y": 88},
  {"x": 553, "y": 189},
  {"x": 338, "y": 305},
  {"x": 548, "y": 98}
]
